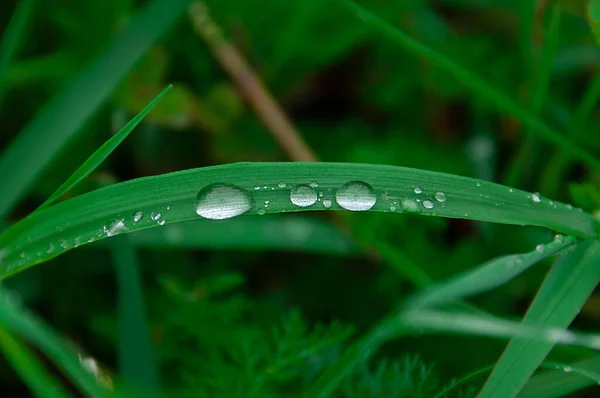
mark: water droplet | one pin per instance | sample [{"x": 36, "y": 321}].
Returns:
[
  {"x": 50, "y": 248},
  {"x": 257, "y": 187},
  {"x": 221, "y": 201},
  {"x": 168, "y": 208},
  {"x": 267, "y": 203},
  {"x": 536, "y": 197},
  {"x": 137, "y": 216},
  {"x": 540, "y": 248},
  {"x": 466, "y": 214},
  {"x": 115, "y": 227},
  {"x": 428, "y": 204},
  {"x": 64, "y": 244},
  {"x": 440, "y": 197},
  {"x": 393, "y": 208},
  {"x": 417, "y": 190},
  {"x": 356, "y": 196},
  {"x": 321, "y": 194},
  {"x": 161, "y": 222},
  {"x": 558, "y": 238},
  {"x": 155, "y": 216},
  {"x": 314, "y": 184},
  {"x": 281, "y": 185},
  {"x": 327, "y": 203},
  {"x": 303, "y": 196},
  {"x": 511, "y": 190},
  {"x": 478, "y": 184},
  {"x": 568, "y": 369},
  {"x": 261, "y": 212}
]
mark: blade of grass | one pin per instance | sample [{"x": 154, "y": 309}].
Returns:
[
  {"x": 564, "y": 291},
  {"x": 34, "y": 330},
  {"x": 485, "y": 277},
  {"x": 136, "y": 360},
  {"x": 518, "y": 169},
  {"x": 594, "y": 18},
  {"x": 172, "y": 197},
  {"x": 103, "y": 152},
  {"x": 474, "y": 83},
  {"x": 62, "y": 118},
  {"x": 561, "y": 382},
  {"x": 32, "y": 371},
  {"x": 12, "y": 37}
]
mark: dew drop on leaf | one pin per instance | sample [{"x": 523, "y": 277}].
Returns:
[
  {"x": 303, "y": 196},
  {"x": 428, "y": 204},
  {"x": 417, "y": 190},
  {"x": 115, "y": 227},
  {"x": 155, "y": 216},
  {"x": 327, "y": 203},
  {"x": 440, "y": 197},
  {"x": 356, "y": 196},
  {"x": 137, "y": 216},
  {"x": 222, "y": 201},
  {"x": 536, "y": 197}
]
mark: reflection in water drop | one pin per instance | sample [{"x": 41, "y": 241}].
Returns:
[
  {"x": 356, "y": 196},
  {"x": 222, "y": 201},
  {"x": 303, "y": 196}
]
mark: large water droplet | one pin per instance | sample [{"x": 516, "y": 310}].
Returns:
[
  {"x": 221, "y": 201},
  {"x": 115, "y": 227},
  {"x": 303, "y": 196},
  {"x": 440, "y": 197},
  {"x": 536, "y": 197},
  {"x": 137, "y": 216},
  {"x": 356, "y": 196}
]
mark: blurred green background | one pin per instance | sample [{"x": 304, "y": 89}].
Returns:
[{"x": 213, "y": 304}]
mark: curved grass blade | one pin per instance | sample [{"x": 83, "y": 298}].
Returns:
[
  {"x": 63, "y": 117},
  {"x": 103, "y": 152},
  {"x": 11, "y": 39},
  {"x": 137, "y": 364},
  {"x": 563, "y": 380},
  {"x": 19, "y": 320},
  {"x": 594, "y": 18},
  {"x": 474, "y": 83},
  {"x": 152, "y": 201},
  {"x": 564, "y": 291},
  {"x": 32, "y": 371},
  {"x": 487, "y": 276}
]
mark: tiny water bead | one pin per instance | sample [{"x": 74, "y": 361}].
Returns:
[
  {"x": 536, "y": 197},
  {"x": 428, "y": 204},
  {"x": 418, "y": 190},
  {"x": 137, "y": 216},
  {"x": 540, "y": 248},
  {"x": 440, "y": 197},
  {"x": 327, "y": 203},
  {"x": 222, "y": 201},
  {"x": 314, "y": 184},
  {"x": 303, "y": 196},
  {"x": 356, "y": 196},
  {"x": 281, "y": 185},
  {"x": 155, "y": 216}
]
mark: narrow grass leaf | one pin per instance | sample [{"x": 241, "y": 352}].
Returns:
[
  {"x": 594, "y": 18},
  {"x": 257, "y": 188},
  {"x": 103, "y": 152},
  {"x": 487, "y": 276},
  {"x": 563, "y": 380},
  {"x": 20, "y": 321},
  {"x": 137, "y": 364},
  {"x": 29, "y": 367},
  {"x": 564, "y": 291},
  {"x": 474, "y": 83},
  {"x": 62, "y": 118},
  {"x": 11, "y": 39}
]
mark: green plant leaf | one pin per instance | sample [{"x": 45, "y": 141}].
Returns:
[
  {"x": 232, "y": 189},
  {"x": 12, "y": 37},
  {"x": 594, "y": 18},
  {"x": 564, "y": 291},
  {"x": 474, "y": 83},
  {"x": 31, "y": 370},
  {"x": 487, "y": 276},
  {"x": 103, "y": 152},
  {"x": 63, "y": 117},
  {"x": 137, "y": 363}
]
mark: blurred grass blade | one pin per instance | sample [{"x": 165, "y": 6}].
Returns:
[
  {"x": 136, "y": 360},
  {"x": 12, "y": 38},
  {"x": 20, "y": 321},
  {"x": 474, "y": 83},
  {"x": 152, "y": 201},
  {"x": 564, "y": 291},
  {"x": 486, "y": 277},
  {"x": 63, "y": 117},
  {"x": 32, "y": 371},
  {"x": 594, "y": 18},
  {"x": 563, "y": 380},
  {"x": 103, "y": 152}
]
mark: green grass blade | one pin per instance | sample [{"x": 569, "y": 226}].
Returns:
[
  {"x": 137, "y": 364},
  {"x": 474, "y": 83},
  {"x": 63, "y": 117},
  {"x": 11, "y": 39},
  {"x": 563, "y": 293},
  {"x": 20, "y": 321},
  {"x": 487, "y": 276},
  {"x": 563, "y": 380},
  {"x": 171, "y": 198},
  {"x": 594, "y": 18},
  {"x": 31, "y": 370},
  {"x": 103, "y": 152}
]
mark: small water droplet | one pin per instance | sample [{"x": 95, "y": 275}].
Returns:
[
  {"x": 168, "y": 208},
  {"x": 478, "y": 184},
  {"x": 137, "y": 216},
  {"x": 281, "y": 185},
  {"x": 314, "y": 184},
  {"x": 267, "y": 203},
  {"x": 155, "y": 216},
  {"x": 321, "y": 194},
  {"x": 303, "y": 196},
  {"x": 558, "y": 238},
  {"x": 540, "y": 248},
  {"x": 440, "y": 197},
  {"x": 536, "y": 197},
  {"x": 257, "y": 187},
  {"x": 417, "y": 190},
  {"x": 356, "y": 196},
  {"x": 114, "y": 227},
  {"x": 64, "y": 244},
  {"x": 466, "y": 214},
  {"x": 327, "y": 203},
  {"x": 50, "y": 248},
  {"x": 261, "y": 212},
  {"x": 428, "y": 204},
  {"x": 511, "y": 190},
  {"x": 222, "y": 201},
  {"x": 161, "y": 222},
  {"x": 393, "y": 208},
  {"x": 568, "y": 369},
  {"x": 266, "y": 186}
]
